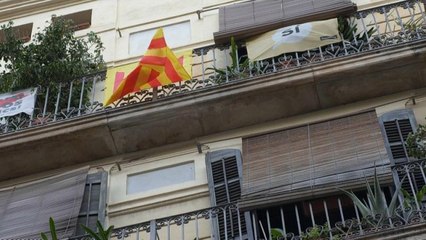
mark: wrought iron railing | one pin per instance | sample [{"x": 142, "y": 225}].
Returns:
[
  {"x": 371, "y": 29},
  {"x": 208, "y": 223}
]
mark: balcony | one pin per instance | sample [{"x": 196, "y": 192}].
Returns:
[
  {"x": 388, "y": 61},
  {"x": 331, "y": 217}
]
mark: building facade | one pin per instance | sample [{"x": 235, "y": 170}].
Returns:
[{"x": 261, "y": 150}]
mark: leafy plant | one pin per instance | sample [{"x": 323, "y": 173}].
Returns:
[
  {"x": 349, "y": 29},
  {"x": 377, "y": 200},
  {"x": 53, "y": 233},
  {"x": 102, "y": 234},
  {"x": 277, "y": 233},
  {"x": 416, "y": 143},
  {"x": 314, "y": 233},
  {"x": 237, "y": 69},
  {"x": 54, "y": 56},
  {"x": 409, "y": 199}
]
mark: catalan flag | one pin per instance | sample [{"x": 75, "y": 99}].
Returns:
[{"x": 158, "y": 67}]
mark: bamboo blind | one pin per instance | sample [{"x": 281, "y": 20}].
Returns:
[
  {"x": 249, "y": 19},
  {"x": 308, "y": 158},
  {"x": 25, "y": 210}
]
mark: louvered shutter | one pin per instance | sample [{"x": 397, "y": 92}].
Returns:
[
  {"x": 395, "y": 127},
  {"x": 224, "y": 175},
  {"x": 243, "y": 20},
  {"x": 94, "y": 202}
]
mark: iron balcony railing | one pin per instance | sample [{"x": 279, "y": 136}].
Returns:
[
  {"x": 331, "y": 217},
  {"x": 369, "y": 30}
]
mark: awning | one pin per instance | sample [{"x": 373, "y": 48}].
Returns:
[
  {"x": 253, "y": 18},
  {"x": 312, "y": 160},
  {"x": 25, "y": 209}
]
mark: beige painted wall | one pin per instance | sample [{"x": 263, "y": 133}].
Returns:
[{"x": 125, "y": 209}]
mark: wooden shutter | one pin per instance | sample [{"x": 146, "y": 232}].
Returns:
[
  {"x": 396, "y": 126},
  {"x": 80, "y": 20},
  {"x": 248, "y": 19},
  {"x": 94, "y": 202},
  {"x": 224, "y": 175},
  {"x": 22, "y": 32},
  {"x": 25, "y": 210},
  {"x": 313, "y": 160}
]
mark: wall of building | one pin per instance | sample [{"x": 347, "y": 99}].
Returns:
[
  {"x": 167, "y": 200},
  {"x": 115, "y": 22}
]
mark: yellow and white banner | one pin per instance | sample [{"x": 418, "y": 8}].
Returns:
[
  {"x": 115, "y": 75},
  {"x": 295, "y": 38}
]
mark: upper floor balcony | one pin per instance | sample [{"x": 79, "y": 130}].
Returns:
[{"x": 384, "y": 54}]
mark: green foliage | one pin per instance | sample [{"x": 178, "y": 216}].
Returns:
[
  {"x": 314, "y": 233},
  {"x": 102, "y": 234},
  {"x": 54, "y": 56},
  {"x": 235, "y": 70},
  {"x": 349, "y": 29},
  {"x": 416, "y": 143},
  {"x": 413, "y": 24},
  {"x": 276, "y": 233},
  {"x": 376, "y": 199},
  {"x": 53, "y": 233},
  {"x": 409, "y": 200}
]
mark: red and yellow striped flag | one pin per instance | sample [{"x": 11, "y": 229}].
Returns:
[{"x": 158, "y": 67}]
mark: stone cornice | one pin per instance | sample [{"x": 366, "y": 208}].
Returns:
[{"x": 12, "y": 9}]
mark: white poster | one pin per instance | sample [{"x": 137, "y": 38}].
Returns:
[{"x": 21, "y": 101}]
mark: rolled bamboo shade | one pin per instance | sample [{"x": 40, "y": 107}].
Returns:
[
  {"x": 25, "y": 210},
  {"x": 312, "y": 160},
  {"x": 253, "y": 18}
]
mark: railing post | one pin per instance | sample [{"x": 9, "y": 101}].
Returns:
[{"x": 153, "y": 230}]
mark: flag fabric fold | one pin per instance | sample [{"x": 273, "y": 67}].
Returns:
[{"x": 158, "y": 67}]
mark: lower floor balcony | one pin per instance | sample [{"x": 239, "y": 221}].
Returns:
[{"x": 402, "y": 214}]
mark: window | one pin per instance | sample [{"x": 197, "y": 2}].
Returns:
[
  {"x": 311, "y": 159},
  {"x": 81, "y": 20},
  {"x": 176, "y": 35},
  {"x": 146, "y": 181},
  {"x": 224, "y": 177},
  {"x": 395, "y": 127},
  {"x": 22, "y": 32},
  {"x": 93, "y": 203}
]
